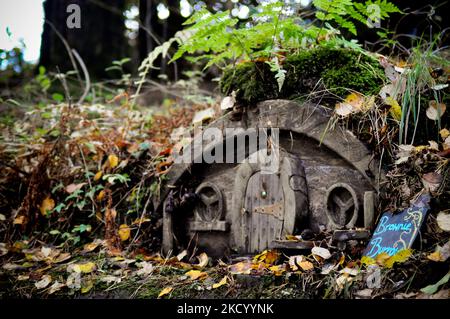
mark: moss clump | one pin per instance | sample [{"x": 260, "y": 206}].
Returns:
[
  {"x": 252, "y": 82},
  {"x": 340, "y": 70}
]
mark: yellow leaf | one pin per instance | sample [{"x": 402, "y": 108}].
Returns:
[
  {"x": 196, "y": 274},
  {"x": 165, "y": 291},
  {"x": 366, "y": 260},
  {"x": 436, "y": 256},
  {"x": 306, "y": 265},
  {"x": 124, "y": 232},
  {"x": 101, "y": 195},
  {"x": 277, "y": 270},
  {"x": 84, "y": 268},
  {"x": 86, "y": 286},
  {"x": 381, "y": 258},
  {"x": 47, "y": 205},
  {"x": 113, "y": 160},
  {"x": 387, "y": 261},
  {"x": 220, "y": 283},
  {"x": 396, "y": 109},
  {"x": 98, "y": 175},
  {"x": 292, "y": 238},
  {"x": 444, "y": 133},
  {"x": 267, "y": 256},
  {"x": 19, "y": 220}
]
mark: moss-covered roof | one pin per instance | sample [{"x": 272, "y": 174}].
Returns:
[{"x": 340, "y": 70}]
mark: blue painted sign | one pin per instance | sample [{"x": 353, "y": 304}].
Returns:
[{"x": 396, "y": 232}]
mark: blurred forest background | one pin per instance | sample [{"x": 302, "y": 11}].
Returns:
[{"x": 129, "y": 29}]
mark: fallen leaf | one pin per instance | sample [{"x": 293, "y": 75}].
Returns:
[
  {"x": 101, "y": 195},
  {"x": 435, "y": 110},
  {"x": 46, "y": 206},
  {"x": 3, "y": 249},
  {"x": 44, "y": 282},
  {"x": 113, "y": 160},
  {"x": 203, "y": 115},
  {"x": 267, "y": 256},
  {"x": 19, "y": 220},
  {"x": 399, "y": 257},
  {"x": 11, "y": 266},
  {"x": 306, "y": 265},
  {"x": 86, "y": 286},
  {"x": 321, "y": 252},
  {"x": 396, "y": 109},
  {"x": 382, "y": 258},
  {"x": 431, "y": 289},
  {"x": 165, "y": 291},
  {"x": 349, "y": 271},
  {"x": 91, "y": 246},
  {"x": 98, "y": 175},
  {"x": 74, "y": 281},
  {"x": 146, "y": 268},
  {"x": 243, "y": 267},
  {"x": 196, "y": 274},
  {"x": 2, "y": 218},
  {"x": 61, "y": 257},
  {"x": 294, "y": 262},
  {"x": 443, "y": 221},
  {"x": 84, "y": 268},
  {"x": 111, "y": 279},
  {"x": 74, "y": 187},
  {"x": 353, "y": 103},
  {"x": 438, "y": 87},
  {"x": 23, "y": 277},
  {"x": 403, "y": 153},
  {"x": 203, "y": 260},
  {"x": 220, "y": 283},
  {"x": 124, "y": 232},
  {"x": 365, "y": 293},
  {"x": 444, "y": 133},
  {"x": 431, "y": 181},
  {"x": 435, "y": 256},
  {"x": 55, "y": 287},
  {"x": 343, "y": 280},
  {"x": 277, "y": 270},
  {"x": 139, "y": 221},
  {"x": 227, "y": 103},
  {"x": 181, "y": 255}
]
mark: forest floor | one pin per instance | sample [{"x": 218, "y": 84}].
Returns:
[{"x": 77, "y": 218}]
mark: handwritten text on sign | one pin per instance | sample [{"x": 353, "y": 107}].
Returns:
[{"x": 396, "y": 232}]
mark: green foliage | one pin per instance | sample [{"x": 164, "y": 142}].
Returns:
[
  {"x": 220, "y": 37},
  {"x": 344, "y": 12}
]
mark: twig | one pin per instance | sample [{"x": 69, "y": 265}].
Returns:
[{"x": 87, "y": 86}]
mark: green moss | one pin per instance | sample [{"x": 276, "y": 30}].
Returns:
[
  {"x": 341, "y": 70},
  {"x": 252, "y": 82}
]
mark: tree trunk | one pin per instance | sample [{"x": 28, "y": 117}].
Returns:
[{"x": 100, "y": 40}]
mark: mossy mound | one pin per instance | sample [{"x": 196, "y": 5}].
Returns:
[{"x": 339, "y": 71}]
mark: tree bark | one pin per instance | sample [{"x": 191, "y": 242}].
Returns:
[{"x": 100, "y": 40}]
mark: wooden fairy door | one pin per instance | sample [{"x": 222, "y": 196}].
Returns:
[
  {"x": 267, "y": 207},
  {"x": 264, "y": 203}
]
